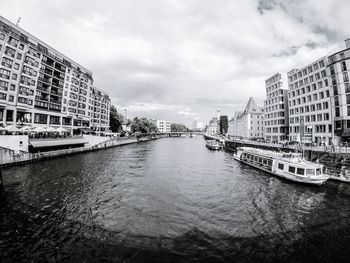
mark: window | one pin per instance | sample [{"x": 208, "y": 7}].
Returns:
[
  {"x": 11, "y": 98},
  {"x": 281, "y": 166},
  {"x": 291, "y": 169},
  {"x": 10, "y": 52},
  {"x": 300, "y": 171},
  {"x": 310, "y": 172},
  {"x": 40, "y": 118},
  {"x": 2, "y": 36},
  {"x": 4, "y": 73}
]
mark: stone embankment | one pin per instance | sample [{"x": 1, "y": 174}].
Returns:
[{"x": 25, "y": 157}]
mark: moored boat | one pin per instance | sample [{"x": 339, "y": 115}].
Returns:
[
  {"x": 213, "y": 144},
  {"x": 286, "y": 165}
]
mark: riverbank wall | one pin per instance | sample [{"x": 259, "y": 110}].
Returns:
[{"x": 26, "y": 158}]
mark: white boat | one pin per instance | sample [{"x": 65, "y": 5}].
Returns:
[
  {"x": 286, "y": 165},
  {"x": 213, "y": 144}
]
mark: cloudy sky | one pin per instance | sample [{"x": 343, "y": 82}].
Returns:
[{"x": 183, "y": 59}]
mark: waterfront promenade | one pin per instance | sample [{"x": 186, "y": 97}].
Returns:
[{"x": 11, "y": 158}]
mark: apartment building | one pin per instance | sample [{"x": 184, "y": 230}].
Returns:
[
  {"x": 248, "y": 124},
  {"x": 276, "y": 110},
  {"x": 310, "y": 116},
  {"x": 339, "y": 70},
  {"x": 163, "y": 126},
  {"x": 101, "y": 110},
  {"x": 39, "y": 86}
]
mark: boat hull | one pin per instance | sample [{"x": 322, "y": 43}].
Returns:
[
  {"x": 313, "y": 181},
  {"x": 213, "y": 147}
]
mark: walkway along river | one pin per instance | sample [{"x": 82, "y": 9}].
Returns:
[{"x": 169, "y": 200}]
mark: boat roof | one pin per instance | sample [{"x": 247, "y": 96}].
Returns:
[{"x": 294, "y": 158}]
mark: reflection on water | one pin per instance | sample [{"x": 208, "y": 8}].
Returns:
[{"x": 170, "y": 199}]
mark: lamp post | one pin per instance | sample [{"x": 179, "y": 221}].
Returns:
[
  {"x": 332, "y": 118},
  {"x": 125, "y": 110}
]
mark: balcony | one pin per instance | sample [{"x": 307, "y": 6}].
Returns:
[{"x": 42, "y": 98}]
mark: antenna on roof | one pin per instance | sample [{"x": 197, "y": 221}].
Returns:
[{"x": 19, "y": 20}]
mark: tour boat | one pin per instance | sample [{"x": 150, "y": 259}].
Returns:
[
  {"x": 213, "y": 144},
  {"x": 286, "y": 165}
]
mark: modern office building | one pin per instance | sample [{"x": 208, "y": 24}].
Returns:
[
  {"x": 163, "y": 126},
  {"x": 248, "y": 124},
  {"x": 197, "y": 125},
  {"x": 309, "y": 103},
  {"x": 339, "y": 70},
  {"x": 276, "y": 110},
  {"x": 39, "y": 86}
]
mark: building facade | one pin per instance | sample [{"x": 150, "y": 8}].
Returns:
[
  {"x": 163, "y": 126},
  {"x": 197, "y": 125},
  {"x": 276, "y": 110},
  {"x": 309, "y": 102},
  {"x": 339, "y": 71},
  {"x": 39, "y": 86},
  {"x": 248, "y": 124},
  {"x": 212, "y": 128}
]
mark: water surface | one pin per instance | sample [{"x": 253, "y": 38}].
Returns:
[{"x": 169, "y": 200}]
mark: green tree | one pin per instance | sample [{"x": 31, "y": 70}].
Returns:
[
  {"x": 223, "y": 124},
  {"x": 178, "y": 127},
  {"x": 143, "y": 125},
  {"x": 115, "y": 120}
]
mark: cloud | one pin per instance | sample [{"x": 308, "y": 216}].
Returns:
[{"x": 158, "y": 58}]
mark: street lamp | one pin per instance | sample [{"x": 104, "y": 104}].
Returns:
[
  {"x": 125, "y": 110},
  {"x": 332, "y": 118}
]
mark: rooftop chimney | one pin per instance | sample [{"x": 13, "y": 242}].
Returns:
[{"x": 347, "y": 43}]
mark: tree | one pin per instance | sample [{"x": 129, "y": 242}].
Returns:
[
  {"x": 115, "y": 120},
  {"x": 143, "y": 125},
  {"x": 223, "y": 124},
  {"x": 178, "y": 127}
]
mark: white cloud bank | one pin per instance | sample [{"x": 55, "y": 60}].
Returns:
[{"x": 182, "y": 59}]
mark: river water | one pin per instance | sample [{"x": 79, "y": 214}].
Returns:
[{"x": 168, "y": 200}]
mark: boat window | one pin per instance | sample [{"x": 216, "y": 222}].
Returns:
[
  {"x": 281, "y": 166},
  {"x": 269, "y": 162},
  {"x": 260, "y": 160},
  {"x": 291, "y": 169},
  {"x": 300, "y": 171},
  {"x": 310, "y": 171},
  {"x": 265, "y": 161},
  {"x": 318, "y": 171},
  {"x": 256, "y": 158}
]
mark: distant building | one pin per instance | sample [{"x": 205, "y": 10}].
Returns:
[
  {"x": 248, "y": 124},
  {"x": 163, "y": 126},
  {"x": 212, "y": 128},
  {"x": 198, "y": 126},
  {"x": 276, "y": 109}
]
